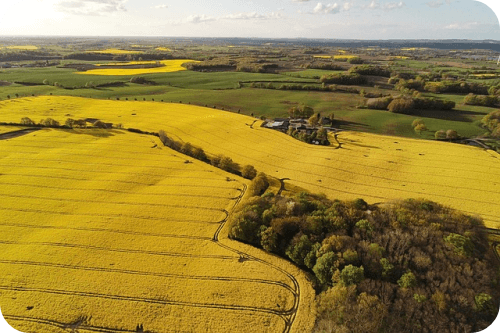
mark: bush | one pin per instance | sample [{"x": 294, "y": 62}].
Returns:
[
  {"x": 100, "y": 124},
  {"x": 27, "y": 121},
  {"x": 401, "y": 105},
  {"x": 258, "y": 185},
  {"x": 451, "y": 134},
  {"x": 420, "y": 128},
  {"x": 379, "y": 103},
  {"x": 440, "y": 135},
  {"x": 248, "y": 172},
  {"x": 49, "y": 122}
]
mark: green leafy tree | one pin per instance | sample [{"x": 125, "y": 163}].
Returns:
[
  {"x": 407, "y": 280},
  {"x": 324, "y": 267},
  {"x": 298, "y": 249},
  {"x": 352, "y": 275}
]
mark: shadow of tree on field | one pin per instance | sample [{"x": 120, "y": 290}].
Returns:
[
  {"x": 349, "y": 125},
  {"x": 97, "y": 132}
]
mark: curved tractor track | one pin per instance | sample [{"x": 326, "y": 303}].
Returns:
[{"x": 287, "y": 316}]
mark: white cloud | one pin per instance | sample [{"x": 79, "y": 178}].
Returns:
[
  {"x": 462, "y": 26},
  {"x": 438, "y": 3},
  {"x": 347, "y": 6},
  {"x": 235, "y": 16},
  {"x": 160, "y": 6},
  {"x": 200, "y": 18},
  {"x": 90, "y": 7},
  {"x": 326, "y": 9},
  {"x": 386, "y": 6}
]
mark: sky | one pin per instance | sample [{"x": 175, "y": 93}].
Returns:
[{"x": 339, "y": 19}]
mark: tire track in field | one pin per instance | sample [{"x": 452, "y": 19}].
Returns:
[
  {"x": 126, "y": 181},
  {"x": 143, "y": 273},
  {"x": 121, "y": 250},
  {"x": 63, "y": 292},
  {"x": 52, "y": 168},
  {"x": 118, "y": 191},
  {"x": 245, "y": 256},
  {"x": 142, "y": 204},
  {"x": 118, "y": 216}
]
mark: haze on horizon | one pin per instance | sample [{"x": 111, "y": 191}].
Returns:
[{"x": 335, "y": 19}]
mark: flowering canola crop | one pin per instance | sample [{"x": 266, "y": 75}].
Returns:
[
  {"x": 109, "y": 231},
  {"x": 377, "y": 168},
  {"x": 166, "y": 66}
]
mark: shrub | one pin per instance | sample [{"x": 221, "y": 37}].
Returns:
[
  {"x": 420, "y": 128},
  {"x": 379, "y": 103},
  {"x": 100, "y": 124},
  {"x": 49, "y": 122},
  {"x": 416, "y": 122},
  {"x": 451, "y": 134},
  {"x": 401, "y": 105},
  {"x": 27, "y": 121},
  {"x": 248, "y": 172},
  {"x": 440, "y": 135},
  {"x": 258, "y": 185}
]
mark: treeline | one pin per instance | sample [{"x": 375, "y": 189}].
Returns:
[
  {"x": 305, "y": 87},
  {"x": 371, "y": 70},
  {"x": 442, "y": 87},
  {"x": 413, "y": 266},
  {"x": 405, "y": 104},
  {"x": 324, "y": 66},
  {"x": 219, "y": 64},
  {"x": 344, "y": 78},
  {"x": 481, "y": 100},
  {"x": 69, "y": 123},
  {"x": 219, "y": 161}
]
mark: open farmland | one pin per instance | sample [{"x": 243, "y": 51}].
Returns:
[
  {"x": 377, "y": 168},
  {"x": 109, "y": 231}
]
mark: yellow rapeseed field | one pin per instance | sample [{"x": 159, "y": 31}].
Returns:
[
  {"x": 377, "y": 168},
  {"x": 115, "y": 51},
  {"x": 21, "y": 47},
  {"x": 336, "y": 57},
  {"x": 166, "y": 49},
  {"x": 109, "y": 231},
  {"x": 167, "y": 66},
  {"x": 5, "y": 129}
]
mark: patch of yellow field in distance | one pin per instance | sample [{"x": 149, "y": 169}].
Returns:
[
  {"x": 115, "y": 51},
  {"x": 322, "y": 56},
  {"x": 21, "y": 47},
  {"x": 345, "y": 56},
  {"x": 166, "y": 49},
  {"x": 167, "y": 66},
  {"x": 108, "y": 230},
  {"x": 375, "y": 167}
]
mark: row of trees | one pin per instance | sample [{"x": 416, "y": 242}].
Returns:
[
  {"x": 371, "y": 70},
  {"x": 405, "y": 104},
  {"x": 219, "y": 161},
  {"x": 413, "y": 266},
  {"x": 69, "y": 123},
  {"x": 344, "y": 78},
  {"x": 482, "y": 100},
  {"x": 306, "y": 87}
]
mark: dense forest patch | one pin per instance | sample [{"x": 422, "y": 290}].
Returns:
[{"x": 408, "y": 266}]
